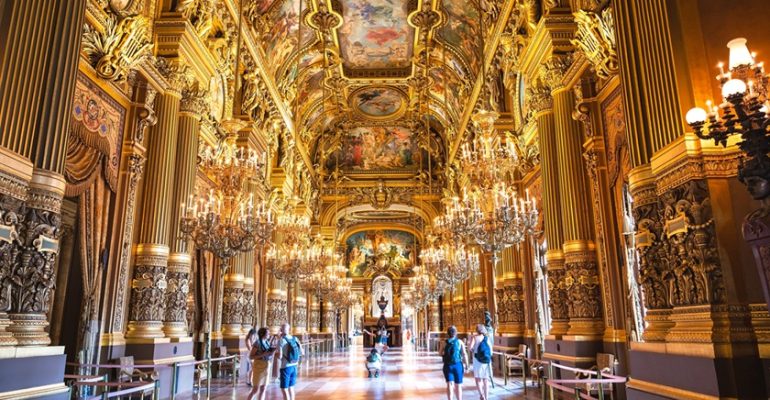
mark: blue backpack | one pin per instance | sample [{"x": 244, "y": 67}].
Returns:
[
  {"x": 293, "y": 352},
  {"x": 452, "y": 352},
  {"x": 483, "y": 352}
]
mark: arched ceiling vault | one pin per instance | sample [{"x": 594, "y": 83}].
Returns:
[{"x": 377, "y": 90}]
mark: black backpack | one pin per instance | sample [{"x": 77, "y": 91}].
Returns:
[
  {"x": 452, "y": 352},
  {"x": 293, "y": 352},
  {"x": 483, "y": 352},
  {"x": 371, "y": 358}
]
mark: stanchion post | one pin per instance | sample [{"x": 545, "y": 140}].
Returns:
[
  {"x": 601, "y": 389},
  {"x": 174, "y": 377},
  {"x": 550, "y": 376},
  {"x": 208, "y": 377},
  {"x": 156, "y": 391}
]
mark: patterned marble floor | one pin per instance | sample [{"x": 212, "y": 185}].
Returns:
[{"x": 407, "y": 374}]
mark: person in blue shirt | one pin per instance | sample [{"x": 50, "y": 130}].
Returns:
[
  {"x": 455, "y": 359},
  {"x": 290, "y": 352}
]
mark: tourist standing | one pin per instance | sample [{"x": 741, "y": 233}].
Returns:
[
  {"x": 261, "y": 356},
  {"x": 290, "y": 352},
  {"x": 250, "y": 338},
  {"x": 455, "y": 358},
  {"x": 481, "y": 347}
]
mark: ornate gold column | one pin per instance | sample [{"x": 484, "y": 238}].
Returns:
[
  {"x": 314, "y": 319},
  {"x": 152, "y": 253},
  {"x": 447, "y": 319},
  {"x": 328, "y": 314},
  {"x": 299, "y": 313},
  {"x": 37, "y": 82},
  {"x": 276, "y": 304},
  {"x": 582, "y": 276},
  {"x": 477, "y": 296},
  {"x": 541, "y": 104},
  {"x": 459, "y": 310},
  {"x": 192, "y": 106},
  {"x": 141, "y": 116},
  {"x": 232, "y": 300},
  {"x": 511, "y": 295},
  {"x": 248, "y": 304},
  {"x": 435, "y": 318}
]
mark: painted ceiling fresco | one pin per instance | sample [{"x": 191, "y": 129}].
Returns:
[
  {"x": 378, "y": 102},
  {"x": 399, "y": 246},
  {"x": 379, "y": 148},
  {"x": 375, "y": 34},
  {"x": 282, "y": 37},
  {"x": 463, "y": 30}
]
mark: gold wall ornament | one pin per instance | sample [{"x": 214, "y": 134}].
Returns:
[
  {"x": 555, "y": 69},
  {"x": 595, "y": 36},
  {"x": 121, "y": 45},
  {"x": 539, "y": 99}
]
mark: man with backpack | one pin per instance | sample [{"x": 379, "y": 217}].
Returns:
[
  {"x": 481, "y": 347},
  {"x": 454, "y": 358},
  {"x": 291, "y": 351}
]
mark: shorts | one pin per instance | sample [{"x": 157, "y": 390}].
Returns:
[
  {"x": 374, "y": 365},
  {"x": 261, "y": 375},
  {"x": 288, "y": 377},
  {"x": 480, "y": 369},
  {"x": 454, "y": 373}
]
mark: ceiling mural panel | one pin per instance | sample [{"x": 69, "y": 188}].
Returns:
[
  {"x": 263, "y": 5},
  {"x": 378, "y": 102},
  {"x": 363, "y": 247},
  {"x": 463, "y": 30},
  {"x": 379, "y": 148},
  {"x": 375, "y": 34},
  {"x": 283, "y": 34}
]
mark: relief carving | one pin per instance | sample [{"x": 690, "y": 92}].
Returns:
[
  {"x": 557, "y": 294},
  {"x": 232, "y": 305},
  {"x": 147, "y": 293},
  {"x": 122, "y": 44},
  {"x": 176, "y": 295}
]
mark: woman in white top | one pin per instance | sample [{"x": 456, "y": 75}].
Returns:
[{"x": 481, "y": 370}]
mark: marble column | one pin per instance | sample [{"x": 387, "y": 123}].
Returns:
[{"x": 148, "y": 289}]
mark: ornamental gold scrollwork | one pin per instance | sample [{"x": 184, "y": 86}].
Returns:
[
  {"x": 557, "y": 294},
  {"x": 300, "y": 315},
  {"x": 122, "y": 44},
  {"x": 595, "y": 37},
  {"x": 11, "y": 220},
  {"x": 232, "y": 305},
  {"x": 147, "y": 293},
  {"x": 248, "y": 306},
  {"x": 176, "y": 295}
]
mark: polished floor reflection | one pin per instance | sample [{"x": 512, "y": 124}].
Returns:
[{"x": 407, "y": 374}]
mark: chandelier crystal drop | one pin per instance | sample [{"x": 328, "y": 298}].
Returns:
[{"x": 226, "y": 221}]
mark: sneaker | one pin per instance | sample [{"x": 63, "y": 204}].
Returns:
[{"x": 370, "y": 374}]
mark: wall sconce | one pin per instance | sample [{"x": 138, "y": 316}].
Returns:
[{"x": 743, "y": 112}]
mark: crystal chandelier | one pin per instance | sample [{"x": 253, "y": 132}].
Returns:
[
  {"x": 487, "y": 159},
  {"x": 743, "y": 112},
  {"x": 493, "y": 218},
  {"x": 226, "y": 222},
  {"x": 449, "y": 263}
]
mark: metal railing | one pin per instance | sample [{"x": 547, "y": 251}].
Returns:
[
  {"x": 131, "y": 389},
  {"x": 582, "y": 387}
]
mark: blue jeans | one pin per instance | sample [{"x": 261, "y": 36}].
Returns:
[
  {"x": 454, "y": 373},
  {"x": 288, "y": 377}
]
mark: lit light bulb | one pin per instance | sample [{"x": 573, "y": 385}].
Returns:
[
  {"x": 733, "y": 87},
  {"x": 739, "y": 53},
  {"x": 696, "y": 115}
]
